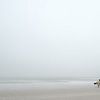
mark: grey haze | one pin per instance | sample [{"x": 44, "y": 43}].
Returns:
[{"x": 49, "y": 38}]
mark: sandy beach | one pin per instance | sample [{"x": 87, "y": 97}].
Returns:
[{"x": 61, "y": 92}]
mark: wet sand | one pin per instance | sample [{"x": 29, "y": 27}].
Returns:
[{"x": 75, "y": 92}]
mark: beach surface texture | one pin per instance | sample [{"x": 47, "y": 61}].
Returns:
[{"x": 49, "y": 91}]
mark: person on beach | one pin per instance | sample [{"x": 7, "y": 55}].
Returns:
[{"x": 97, "y": 83}]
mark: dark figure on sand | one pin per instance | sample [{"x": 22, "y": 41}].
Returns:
[{"x": 97, "y": 83}]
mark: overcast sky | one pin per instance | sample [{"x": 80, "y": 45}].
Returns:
[{"x": 49, "y": 38}]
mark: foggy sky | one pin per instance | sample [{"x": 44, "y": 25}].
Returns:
[{"x": 49, "y": 38}]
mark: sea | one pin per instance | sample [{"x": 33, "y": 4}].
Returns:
[{"x": 40, "y": 83}]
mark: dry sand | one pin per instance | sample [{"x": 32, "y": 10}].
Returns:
[{"x": 61, "y": 93}]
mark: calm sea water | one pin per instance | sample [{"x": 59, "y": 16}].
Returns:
[
  {"x": 30, "y": 80},
  {"x": 36, "y": 80},
  {"x": 11, "y": 84}
]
